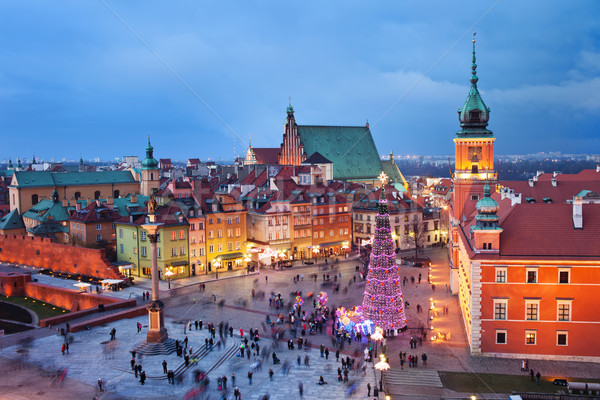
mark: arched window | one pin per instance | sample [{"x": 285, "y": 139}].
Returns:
[
  {"x": 151, "y": 176},
  {"x": 34, "y": 199},
  {"x": 116, "y": 194},
  {"x": 97, "y": 195},
  {"x": 77, "y": 195}
]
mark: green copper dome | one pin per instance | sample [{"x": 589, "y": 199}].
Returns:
[
  {"x": 474, "y": 115},
  {"x": 486, "y": 210},
  {"x": 149, "y": 162}
]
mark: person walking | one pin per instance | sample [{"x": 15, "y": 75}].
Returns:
[
  {"x": 250, "y": 377},
  {"x": 233, "y": 380},
  {"x": 270, "y": 374},
  {"x": 368, "y": 389},
  {"x": 537, "y": 378},
  {"x": 301, "y": 389},
  {"x": 100, "y": 384},
  {"x": 164, "y": 364},
  {"x": 143, "y": 377},
  {"x": 326, "y": 353}
]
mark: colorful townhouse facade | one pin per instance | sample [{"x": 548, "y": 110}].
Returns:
[{"x": 133, "y": 245}]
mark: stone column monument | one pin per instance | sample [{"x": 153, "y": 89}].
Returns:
[{"x": 157, "y": 332}]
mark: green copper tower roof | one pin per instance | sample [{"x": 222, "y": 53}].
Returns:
[
  {"x": 474, "y": 114},
  {"x": 486, "y": 211},
  {"x": 149, "y": 162}
]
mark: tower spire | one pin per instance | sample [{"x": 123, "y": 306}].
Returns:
[{"x": 474, "y": 77}]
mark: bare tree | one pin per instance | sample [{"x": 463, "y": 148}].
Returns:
[{"x": 416, "y": 237}]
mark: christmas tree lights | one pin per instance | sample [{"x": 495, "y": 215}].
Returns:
[{"x": 383, "y": 299}]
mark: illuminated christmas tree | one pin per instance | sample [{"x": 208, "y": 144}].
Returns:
[{"x": 383, "y": 300}]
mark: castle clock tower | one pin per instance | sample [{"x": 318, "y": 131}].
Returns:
[
  {"x": 474, "y": 151},
  {"x": 474, "y": 166}
]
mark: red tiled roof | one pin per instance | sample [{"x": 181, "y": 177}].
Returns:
[
  {"x": 182, "y": 185},
  {"x": 547, "y": 230},
  {"x": 266, "y": 155},
  {"x": 567, "y": 186},
  {"x": 95, "y": 213}
]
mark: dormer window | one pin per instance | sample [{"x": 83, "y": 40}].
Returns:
[{"x": 474, "y": 115}]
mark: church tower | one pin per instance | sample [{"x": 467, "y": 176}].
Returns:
[
  {"x": 150, "y": 177},
  {"x": 474, "y": 151},
  {"x": 291, "y": 150}
]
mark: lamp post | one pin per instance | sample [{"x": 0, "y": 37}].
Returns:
[
  {"x": 377, "y": 336},
  {"x": 382, "y": 365},
  {"x": 169, "y": 274},
  {"x": 217, "y": 264}
]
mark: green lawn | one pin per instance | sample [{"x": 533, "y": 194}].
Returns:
[
  {"x": 499, "y": 383},
  {"x": 43, "y": 310}
]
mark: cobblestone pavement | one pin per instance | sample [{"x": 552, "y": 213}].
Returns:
[{"x": 90, "y": 358}]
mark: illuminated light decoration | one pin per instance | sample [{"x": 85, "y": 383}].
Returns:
[{"x": 383, "y": 300}]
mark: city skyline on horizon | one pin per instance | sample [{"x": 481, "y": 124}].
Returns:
[{"x": 101, "y": 72}]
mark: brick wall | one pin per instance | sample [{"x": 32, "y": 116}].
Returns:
[
  {"x": 43, "y": 253},
  {"x": 61, "y": 319}
]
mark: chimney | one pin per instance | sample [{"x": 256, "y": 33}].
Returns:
[
  {"x": 538, "y": 173},
  {"x": 133, "y": 198},
  {"x": 77, "y": 206},
  {"x": 555, "y": 174},
  {"x": 598, "y": 168},
  {"x": 577, "y": 213},
  {"x": 554, "y": 182},
  {"x": 530, "y": 182}
]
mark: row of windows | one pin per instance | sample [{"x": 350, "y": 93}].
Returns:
[
  {"x": 318, "y": 234},
  {"x": 79, "y": 225},
  {"x": 238, "y": 233},
  {"x": 144, "y": 251},
  {"x": 278, "y": 220},
  {"x": 562, "y": 337},
  {"x": 532, "y": 308},
  {"x": 531, "y": 276},
  {"x": 331, "y": 210},
  {"x": 211, "y": 248},
  {"x": 321, "y": 221},
  {"x": 230, "y": 220},
  {"x": 359, "y": 217},
  {"x": 278, "y": 235}
]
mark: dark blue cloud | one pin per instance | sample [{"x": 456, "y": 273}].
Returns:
[{"x": 75, "y": 80}]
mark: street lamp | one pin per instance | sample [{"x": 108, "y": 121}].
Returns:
[
  {"x": 382, "y": 365},
  {"x": 169, "y": 274},
  {"x": 217, "y": 264},
  {"x": 316, "y": 252},
  {"x": 377, "y": 336}
]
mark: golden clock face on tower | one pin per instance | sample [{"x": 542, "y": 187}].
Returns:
[{"x": 475, "y": 154}]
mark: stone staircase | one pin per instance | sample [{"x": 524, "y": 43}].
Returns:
[
  {"x": 412, "y": 376},
  {"x": 154, "y": 349}
]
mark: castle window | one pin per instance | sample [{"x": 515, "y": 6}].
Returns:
[
  {"x": 97, "y": 195},
  {"x": 474, "y": 169},
  {"x": 116, "y": 194},
  {"x": 34, "y": 199}
]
